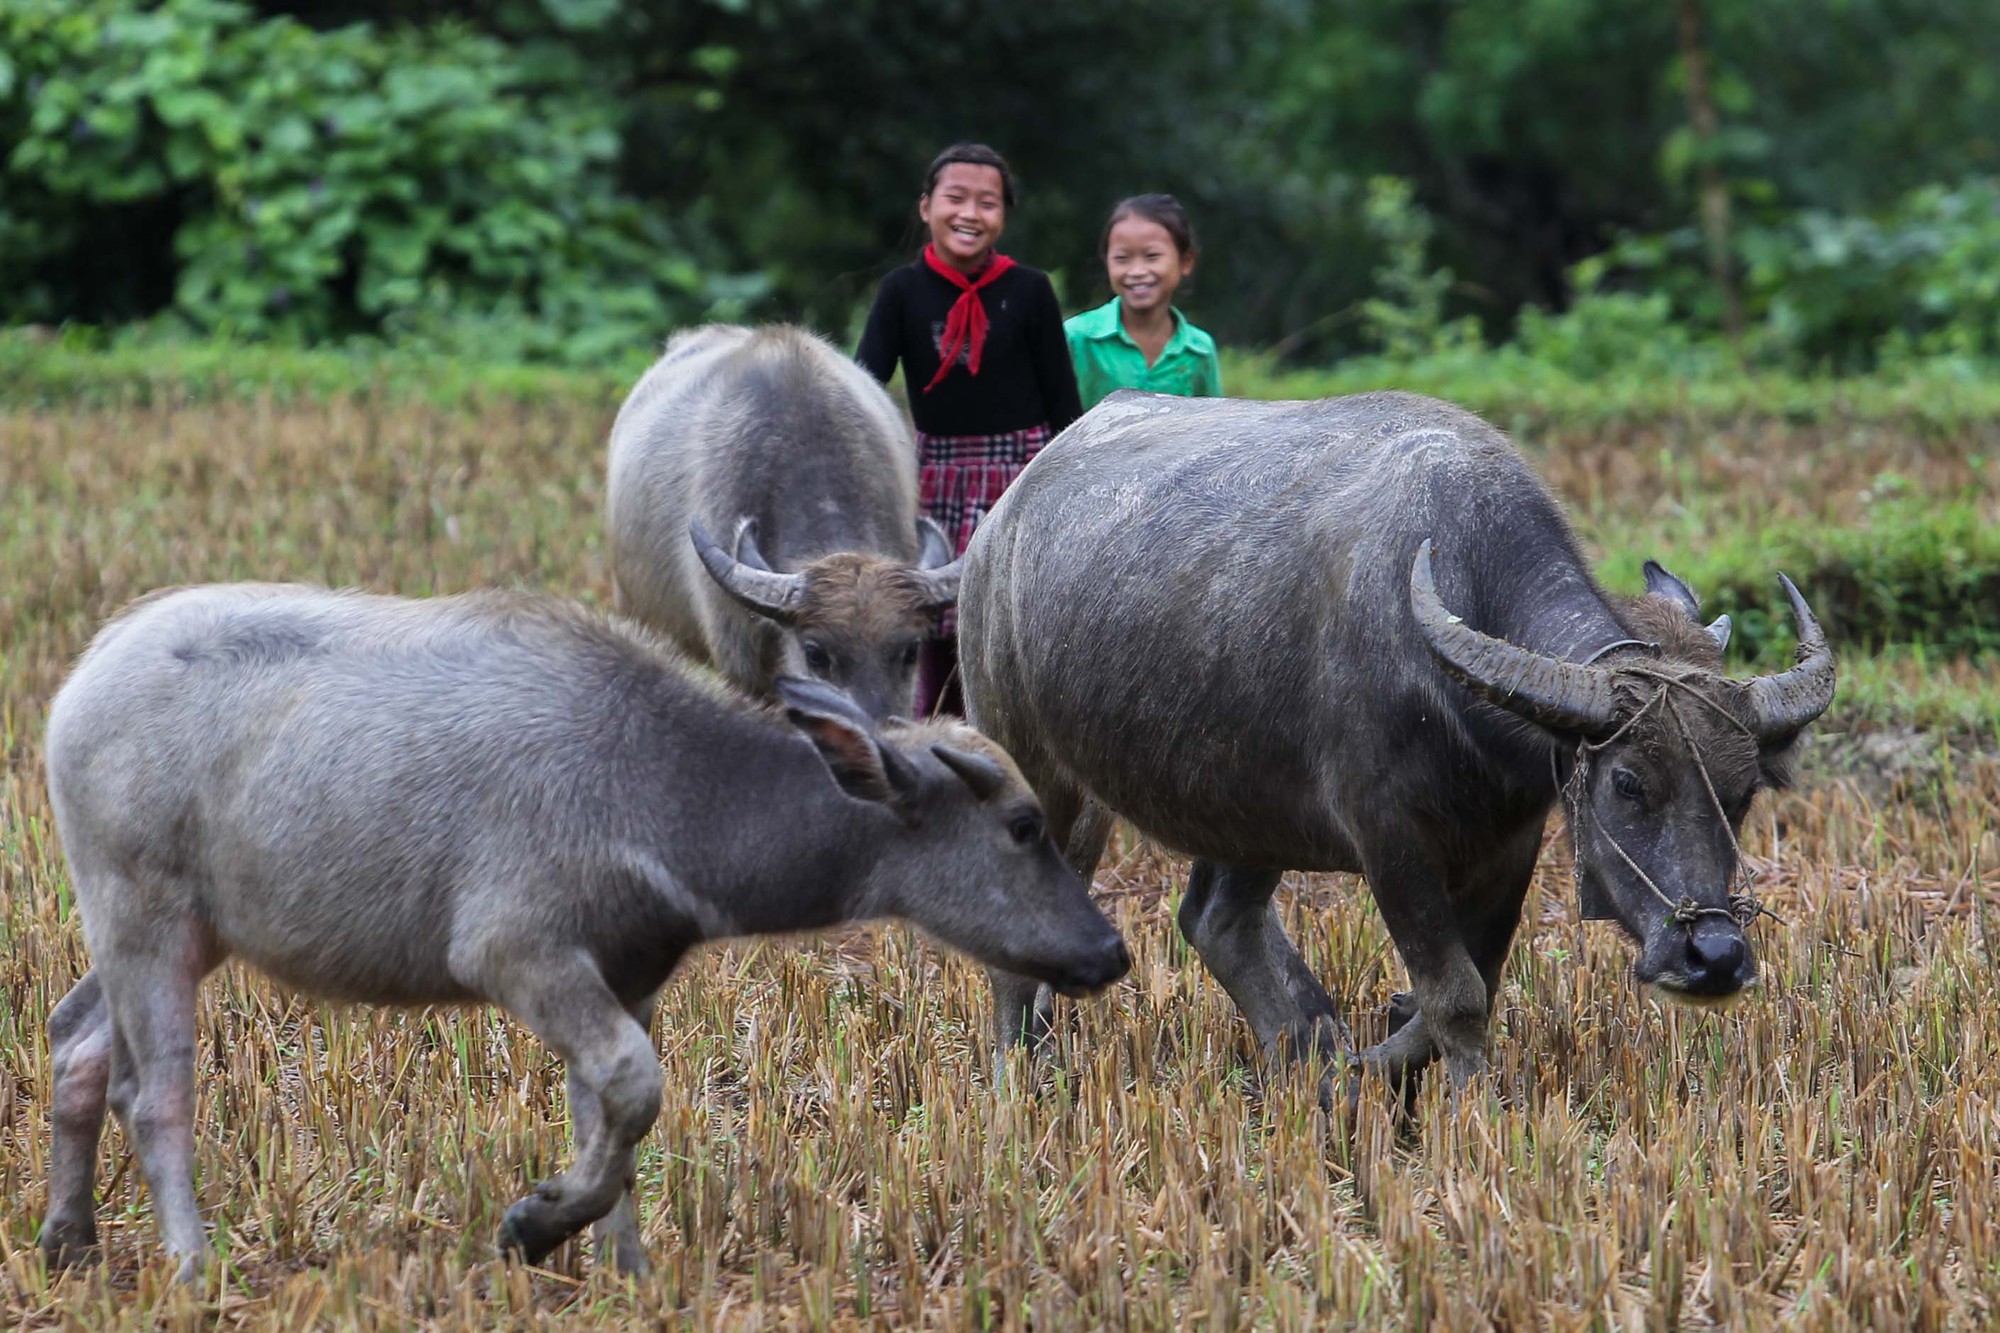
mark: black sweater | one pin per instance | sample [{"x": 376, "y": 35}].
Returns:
[{"x": 1025, "y": 377}]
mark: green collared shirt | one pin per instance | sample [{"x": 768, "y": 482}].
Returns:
[{"x": 1107, "y": 358}]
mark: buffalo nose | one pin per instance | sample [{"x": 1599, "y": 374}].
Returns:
[
  {"x": 1112, "y": 963},
  {"x": 1717, "y": 954}
]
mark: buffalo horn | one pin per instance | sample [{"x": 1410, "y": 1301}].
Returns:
[
  {"x": 778, "y": 596},
  {"x": 1562, "y": 696},
  {"x": 986, "y": 778},
  {"x": 1782, "y": 704}
]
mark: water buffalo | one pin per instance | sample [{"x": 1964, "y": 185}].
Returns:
[
  {"x": 1358, "y": 635},
  {"x": 483, "y": 799},
  {"x": 770, "y": 440}
]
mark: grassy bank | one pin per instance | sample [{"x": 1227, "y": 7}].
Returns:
[{"x": 80, "y": 366}]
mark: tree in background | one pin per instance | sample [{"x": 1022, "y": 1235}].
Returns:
[
  {"x": 259, "y": 177},
  {"x": 560, "y": 177}
]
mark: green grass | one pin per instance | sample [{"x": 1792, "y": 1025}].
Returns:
[
  {"x": 77, "y": 368},
  {"x": 1521, "y": 394},
  {"x": 1517, "y": 392},
  {"x": 1910, "y": 686},
  {"x": 1917, "y": 572}
]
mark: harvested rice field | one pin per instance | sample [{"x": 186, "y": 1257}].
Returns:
[{"x": 837, "y": 1149}]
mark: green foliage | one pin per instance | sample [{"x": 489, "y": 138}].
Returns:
[
  {"x": 1921, "y": 279},
  {"x": 1609, "y": 334},
  {"x": 1538, "y": 133},
  {"x": 412, "y": 181},
  {"x": 1924, "y": 278},
  {"x": 1407, "y": 318},
  {"x": 517, "y": 179},
  {"x": 1916, "y": 571}
]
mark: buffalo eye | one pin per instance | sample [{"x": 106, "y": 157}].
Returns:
[
  {"x": 818, "y": 660},
  {"x": 1626, "y": 783},
  {"x": 1025, "y": 829},
  {"x": 909, "y": 656}
]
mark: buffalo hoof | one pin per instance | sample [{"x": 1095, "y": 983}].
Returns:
[
  {"x": 530, "y": 1232},
  {"x": 69, "y": 1242},
  {"x": 1347, "y": 1080},
  {"x": 1465, "y": 1070},
  {"x": 1402, "y": 1007},
  {"x": 630, "y": 1261},
  {"x": 1323, "y": 1041}
]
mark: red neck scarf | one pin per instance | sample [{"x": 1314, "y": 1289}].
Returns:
[{"x": 965, "y": 325}]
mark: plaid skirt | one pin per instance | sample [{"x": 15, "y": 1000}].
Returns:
[{"x": 963, "y": 476}]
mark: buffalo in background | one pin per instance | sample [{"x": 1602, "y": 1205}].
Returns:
[{"x": 773, "y": 442}]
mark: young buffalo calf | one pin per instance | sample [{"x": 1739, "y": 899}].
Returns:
[{"x": 493, "y": 799}]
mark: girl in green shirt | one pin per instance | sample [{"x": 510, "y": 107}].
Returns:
[{"x": 1137, "y": 340}]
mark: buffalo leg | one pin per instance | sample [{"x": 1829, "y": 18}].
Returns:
[
  {"x": 565, "y": 1002},
  {"x": 150, "y": 976},
  {"x": 80, "y": 1039},
  {"x": 1451, "y": 995},
  {"x": 617, "y": 1232},
  {"x": 1228, "y": 917},
  {"x": 1023, "y": 1008},
  {"x": 1502, "y": 892},
  {"x": 1491, "y": 908}
]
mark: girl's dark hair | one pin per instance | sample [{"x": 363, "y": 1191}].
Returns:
[
  {"x": 972, "y": 154},
  {"x": 1161, "y": 208}
]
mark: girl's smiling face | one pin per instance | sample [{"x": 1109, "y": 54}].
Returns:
[
  {"x": 1144, "y": 264},
  {"x": 966, "y": 211}
]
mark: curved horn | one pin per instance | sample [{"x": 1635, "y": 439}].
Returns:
[
  {"x": 937, "y": 571},
  {"x": 778, "y": 596},
  {"x": 746, "y": 544},
  {"x": 986, "y": 778},
  {"x": 1783, "y": 704},
  {"x": 1562, "y": 696}
]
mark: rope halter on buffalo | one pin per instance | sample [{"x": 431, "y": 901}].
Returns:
[{"x": 1744, "y": 907}]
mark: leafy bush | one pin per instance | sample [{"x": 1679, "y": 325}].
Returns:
[
  {"x": 1605, "y": 335},
  {"x": 1917, "y": 571},
  {"x": 314, "y": 184},
  {"x": 1848, "y": 292},
  {"x": 1407, "y": 317},
  {"x": 1924, "y": 278}
]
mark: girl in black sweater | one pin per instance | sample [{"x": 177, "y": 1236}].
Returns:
[{"x": 980, "y": 339}]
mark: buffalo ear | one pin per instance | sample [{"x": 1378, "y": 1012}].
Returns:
[
  {"x": 865, "y": 767},
  {"x": 1660, "y": 582}
]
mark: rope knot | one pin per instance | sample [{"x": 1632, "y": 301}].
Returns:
[{"x": 1746, "y": 909}]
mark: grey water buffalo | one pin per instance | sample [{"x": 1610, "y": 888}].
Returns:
[
  {"x": 483, "y": 799},
  {"x": 1358, "y": 635},
  {"x": 762, "y": 513}
]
